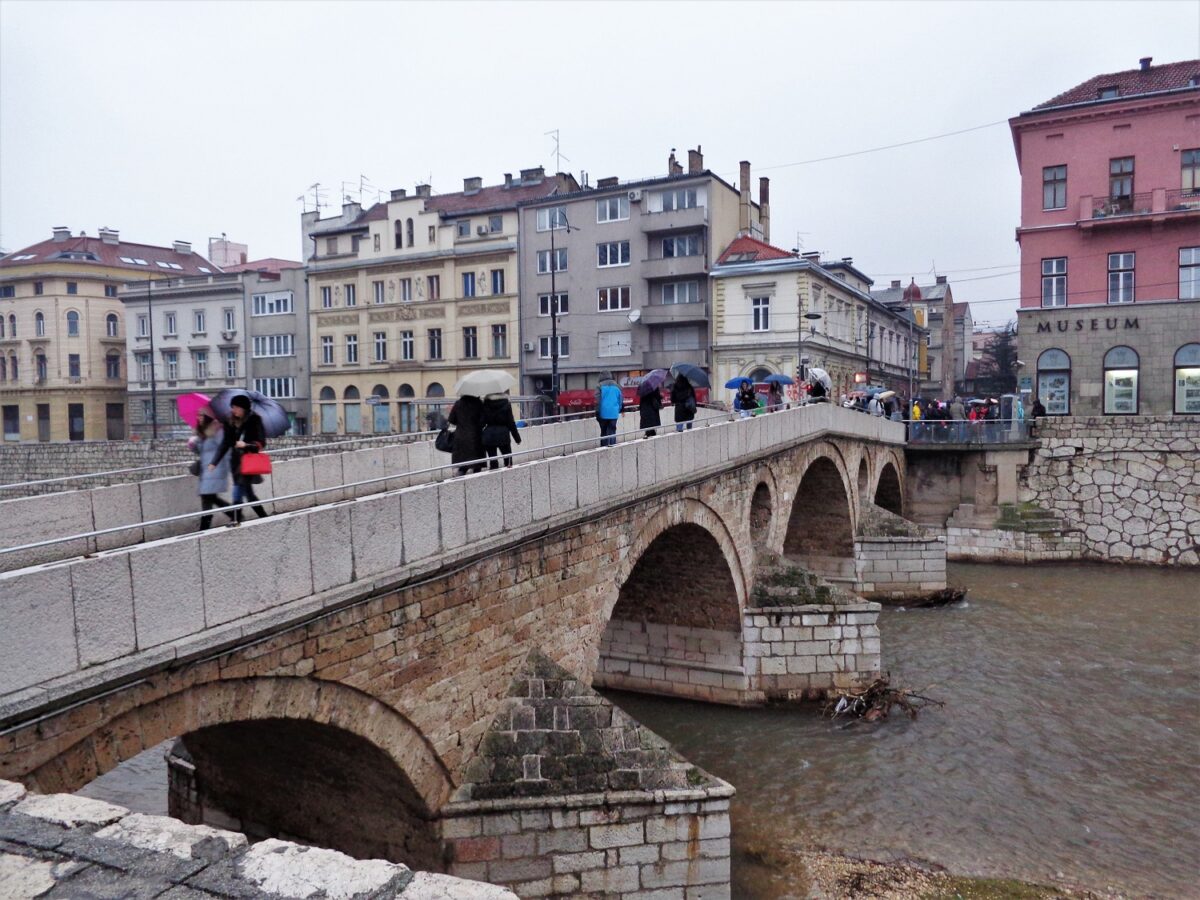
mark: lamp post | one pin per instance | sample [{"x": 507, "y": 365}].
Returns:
[
  {"x": 555, "y": 217},
  {"x": 812, "y": 329},
  {"x": 153, "y": 383}
]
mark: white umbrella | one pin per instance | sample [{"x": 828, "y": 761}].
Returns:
[
  {"x": 482, "y": 382},
  {"x": 818, "y": 374}
]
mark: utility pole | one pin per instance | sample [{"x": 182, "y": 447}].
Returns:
[
  {"x": 153, "y": 383},
  {"x": 553, "y": 310}
]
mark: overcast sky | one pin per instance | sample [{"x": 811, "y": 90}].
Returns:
[{"x": 177, "y": 120}]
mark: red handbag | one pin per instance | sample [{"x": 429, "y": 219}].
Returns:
[{"x": 256, "y": 464}]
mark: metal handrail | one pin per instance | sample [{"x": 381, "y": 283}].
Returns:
[{"x": 966, "y": 431}]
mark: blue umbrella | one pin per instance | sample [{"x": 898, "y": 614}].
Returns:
[
  {"x": 777, "y": 379},
  {"x": 652, "y": 381},
  {"x": 734, "y": 383},
  {"x": 696, "y": 375}
]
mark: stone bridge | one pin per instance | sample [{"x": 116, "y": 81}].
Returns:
[{"x": 409, "y": 675}]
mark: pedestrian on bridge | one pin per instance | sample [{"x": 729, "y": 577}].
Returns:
[
  {"x": 648, "y": 412},
  {"x": 683, "y": 398},
  {"x": 466, "y": 415},
  {"x": 609, "y": 403},
  {"x": 244, "y": 434},
  {"x": 212, "y": 480},
  {"x": 499, "y": 430}
]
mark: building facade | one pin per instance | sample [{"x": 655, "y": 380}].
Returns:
[
  {"x": 409, "y": 296},
  {"x": 776, "y": 312},
  {"x": 943, "y": 358},
  {"x": 1110, "y": 244},
  {"x": 625, "y": 265},
  {"x": 63, "y": 331}
]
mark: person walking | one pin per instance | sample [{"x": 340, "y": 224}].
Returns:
[
  {"x": 210, "y": 481},
  {"x": 609, "y": 403},
  {"x": 499, "y": 430},
  {"x": 243, "y": 434},
  {"x": 683, "y": 398},
  {"x": 774, "y": 397},
  {"x": 746, "y": 400},
  {"x": 874, "y": 407},
  {"x": 648, "y": 417},
  {"x": 466, "y": 415}
]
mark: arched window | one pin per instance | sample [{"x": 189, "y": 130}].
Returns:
[
  {"x": 1121, "y": 382},
  {"x": 410, "y": 232},
  {"x": 381, "y": 417},
  {"x": 758, "y": 375},
  {"x": 41, "y": 370},
  {"x": 399, "y": 234},
  {"x": 72, "y": 324},
  {"x": 1, "y": 326},
  {"x": 1054, "y": 382},
  {"x": 353, "y": 411},
  {"x": 329, "y": 418},
  {"x": 39, "y": 325},
  {"x": 408, "y": 409},
  {"x": 111, "y": 325},
  {"x": 435, "y": 390},
  {"x": 112, "y": 365},
  {"x": 12, "y": 367},
  {"x": 327, "y": 394},
  {"x": 12, "y": 325},
  {"x": 1187, "y": 379},
  {"x": 3, "y": 368}
]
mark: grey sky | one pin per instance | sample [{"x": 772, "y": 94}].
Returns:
[{"x": 185, "y": 120}]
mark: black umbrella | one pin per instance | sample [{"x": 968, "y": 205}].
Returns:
[
  {"x": 274, "y": 417},
  {"x": 696, "y": 375}
]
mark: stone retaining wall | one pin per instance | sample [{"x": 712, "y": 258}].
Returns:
[
  {"x": 800, "y": 652},
  {"x": 899, "y": 567},
  {"x": 996, "y": 545},
  {"x": 674, "y": 660}
]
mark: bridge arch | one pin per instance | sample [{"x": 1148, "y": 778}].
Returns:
[
  {"x": 888, "y": 493},
  {"x": 821, "y": 523},
  {"x": 864, "y": 479}
]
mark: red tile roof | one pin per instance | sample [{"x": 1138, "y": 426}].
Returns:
[
  {"x": 748, "y": 249},
  {"x": 961, "y": 308},
  {"x": 101, "y": 254},
  {"x": 271, "y": 264},
  {"x": 495, "y": 196},
  {"x": 1130, "y": 83}
]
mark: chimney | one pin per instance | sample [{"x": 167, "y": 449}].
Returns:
[
  {"x": 183, "y": 247},
  {"x": 941, "y": 279},
  {"x": 744, "y": 205},
  {"x": 673, "y": 166},
  {"x": 896, "y": 284},
  {"x": 764, "y": 208},
  {"x": 1144, "y": 63},
  {"x": 507, "y": 180},
  {"x": 608, "y": 182},
  {"x": 472, "y": 185},
  {"x": 848, "y": 260},
  {"x": 423, "y": 190},
  {"x": 533, "y": 176},
  {"x": 812, "y": 256},
  {"x": 61, "y": 233},
  {"x": 695, "y": 161},
  {"x": 109, "y": 235}
]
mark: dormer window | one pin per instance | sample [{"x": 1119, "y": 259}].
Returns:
[{"x": 1108, "y": 93}]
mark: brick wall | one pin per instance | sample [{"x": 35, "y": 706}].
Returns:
[
  {"x": 996, "y": 545},
  {"x": 674, "y": 660},
  {"x": 806, "y": 651},
  {"x": 899, "y": 567}
]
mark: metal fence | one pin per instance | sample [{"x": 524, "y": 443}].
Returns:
[{"x": 964, "y": 431}]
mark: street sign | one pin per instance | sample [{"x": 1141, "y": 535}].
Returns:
[{"x": 373, "y": 400}]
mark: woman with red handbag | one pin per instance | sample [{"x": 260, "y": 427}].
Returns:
[{"x": 244, "y": 436}]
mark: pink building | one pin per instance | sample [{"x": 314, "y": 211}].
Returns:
[{"x": 1110, "y": 244}]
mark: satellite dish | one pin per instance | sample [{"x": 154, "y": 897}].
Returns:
[{"x": 635, "y": 315}]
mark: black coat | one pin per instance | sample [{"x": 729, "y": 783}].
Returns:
[
  {"x": 467, "y": 418},
  {"x": 251, "y": 433},
  {"x": 648, "y": 407},
  {"x": 497, "y": 415},
  {"x": 681, "y": 392}
]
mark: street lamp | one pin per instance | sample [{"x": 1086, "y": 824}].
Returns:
[
  {"x": 556, "y": 217},
  {"x": 812, "y": 328},
  {"x": 153, "y": 384}
]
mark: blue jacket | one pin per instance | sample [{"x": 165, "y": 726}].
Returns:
[{"x": 610, "y": 402}]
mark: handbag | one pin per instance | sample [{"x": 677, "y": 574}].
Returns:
[
  {"x": 194, "y": 468},
  {"x": 444, "y": 441},
  {"x": 255, "y": 464}
]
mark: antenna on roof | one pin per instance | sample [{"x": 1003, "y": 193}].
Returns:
[
  {"x": 558, "y": 157},
  {"x": 318, "y": 196}
]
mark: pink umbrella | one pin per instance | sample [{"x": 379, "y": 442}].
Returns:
[{"x": 189, "y": 405}]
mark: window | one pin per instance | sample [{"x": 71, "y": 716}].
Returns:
[
  {"x": 495, "y": 224},
  {"x": 39, "y": 368},
  {"x": 434, "y": 284},
  {"x": 407, "y": 346},
  {"x": 112, "y": 366},
  {"x": 614, "y": 343},
  {"x": 200, "y": 364},
  {"x": 171, "y": 360},
  {"x": 1120, "y": 183},
  {"x": 169, "y": 324},
  {"x": 3, "y": 368},
  {"x": 12, "y": 325},
  {"x": 110, "y": 290},
  {"x": 326, "y": 350},
  {"x": 276, "y": 388},
  {"x": 39, "y": 325},
  {"x": 1121, "y": 381},
  {"x": 499, "y": 341},
  {"x": 39, "y": 289},
  {"x": 761, "y": 307},
  {"x": 468, "y": 283},
  {"x": 497, "y": 281},
  {"x": 431, "y": 235},
  {"x": 147, "y": 410},
  {"x": 8, "y": 291},
  {"x": 681, "y": 292},
  {"x": 464, "y": 228},
  {"x": 375, "y": 242},
  {"x": 1108, "y": 93},
  {"x": 684, "y": 198},
  {"x": 1189, "y": 273},
  {"x": 1189, "y": 170},
  {"x": 199, "y": 322},
  {"x": 230, "y": 319},
  {"x": 559, "y": 262},
  {"x": 351, "y": 295},
  {"x": 353, "y": 410},
  {"x": 470, "y": 342},
  {"x": 1054, "y": 382},
  {"x": 326, "y": 297},
  {"x": 409, "y": 231},
  {"x": 73, "y": 324},
  {"x": 611, "y": 299},
  {"x": 266, "y": 345},
  {"x": 399, "y": 235},
  {"x": 231, "y": 367},
  {"x": 406, "y": 290},
  {"x": 330, "y": 246},
  {"x": 1, "y": 327},
  {"x": 613, "y": 253},
  {"x": 1054, "y": 187},
  {"x": 12, "y": 367},
  {"x": 564, "y": 346},
  {"x": 561, "y": 304},
  {"x": 379, "y": 294},
  {"x": 612, "y": 209},
  {"x": 72, "y": 287},
  {"x": 685, "y": 245},
  {"x": 552, "y": 218},
  {"x": 145, "y": 365},
  {"x": 435, "y": 343},
  {"x": 380, "y": 346},
  {"x": 271, "y": 304},
  {"x": 1054, "y": 282},
  {"x": 352, "y": 348},
  {"x": 1187, "y": 379},
  {"x": 681, "y": 337},
  {"x": 1120, "y": 278},
  {"x": 329, "y": 420}
]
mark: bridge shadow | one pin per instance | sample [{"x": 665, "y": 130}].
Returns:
[{"x": 820, "y": 529}]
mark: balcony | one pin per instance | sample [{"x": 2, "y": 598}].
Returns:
[
  {"x": 674, "y": 313},
  {"x": 675, "y": 220},
  {"x": 1159, "y": 205},
  {"x": 664, "y": 359},
  {"x": 675, "y": 267}
]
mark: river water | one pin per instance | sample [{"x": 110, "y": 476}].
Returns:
[{"x": 1068, "y": 749}]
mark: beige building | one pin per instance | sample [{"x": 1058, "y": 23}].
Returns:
[
  {"x": 408, "y": 296},
  {"x": 62, "y": 337}
]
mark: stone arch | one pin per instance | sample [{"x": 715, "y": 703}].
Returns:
[
  {"x": 760, "y": 514},
  {"x": 821, "y": 525},
  {"x": 120, "y": 737},
  {"x": 864, "y": 480},
  {"x": 888, "y": 493}
]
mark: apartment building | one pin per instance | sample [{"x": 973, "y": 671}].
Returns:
[
  {"x": 776, "y": 312},
  {"x": 1110, "y": 244},
  {"x": 942, "y": 359},
  {"x": 625, "y": 267},
  {"x": 63, "y": 331},
  {"x": 408, "y": 296}
]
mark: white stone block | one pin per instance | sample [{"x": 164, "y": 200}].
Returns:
[
  {"x": 588, "y": 477},
  {"x": 485, "y": 504},
  {"x": 168, "y": 593},
  {"x": 395, "y": 463},
  {"x": 103, "y": 595},
  {"x": 564, "y": 488},
  {"x": 419, "y": 529},
  {"x": 365, "y": 464},
  {"x": 294, "y": 476},
  {"x": 162, "y": 834},
  {"x": 375, "y": 528},
  {"x": 452, "y": 513},
  {"x": 292, "y": 871},
  {"x": 433, "y": 886},
  {"x": 539, "y": 485},
  {"x": 628, "y": 453},
  {"x": 118, "y": 504},
  {"x": 28, "y": 520},
  {"x": 70, "y": 810},
  {"x": 423, "y": 456},
  {"x": 647, "y": 472},
  {"x": 329, "y": 535},
  {"x": 165, "y": 497},
  {"x": 37, "y": 627},
  {"x": 263, "y": 564},
  {"x": 517, "y": 491}
]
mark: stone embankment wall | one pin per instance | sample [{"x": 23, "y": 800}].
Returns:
[
  {"x": 1130, "y": 484},
  {"x": 896, "y": 559}
]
